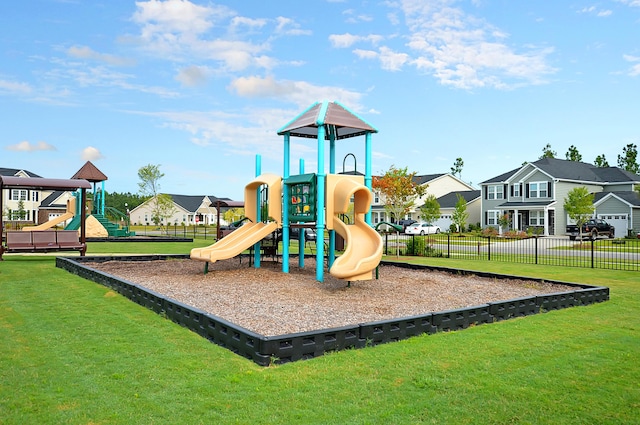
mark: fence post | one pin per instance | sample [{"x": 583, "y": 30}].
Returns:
[
  {"x": 488, "y": 248},
  {"x": 386, "y": 243},
  {"x": 592, "y": 249},
  {"x": 449, "y": 245},
  {"x": 536, "y": 238}
]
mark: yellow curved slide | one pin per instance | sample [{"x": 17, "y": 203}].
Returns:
[
  {"x": 363, "y": 244},
  {"x": 250, "y": 233},
  {"x": 71, "y": 207}
]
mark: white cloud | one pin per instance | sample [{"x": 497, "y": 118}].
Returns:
[
  {"x": 300, "y": 93},
  {"x": 14, "y": 87},
  {"x": 465, "y": 52},
  {"x": 91, "y": 154},
  {"x": 289, "y": 27},
  {"x": 632, "y": 3},
  {"x": 243, "y": 22},
  {"x": 161, "y": 18},
  {"x": 353, "y": 18},
  {"x": 390, "y": 60},
  {"x": 179, "y": 30},
  {"x": 101, "y": 76},
  {"x": 26, "y": 146},
  {"x": 84, "y": 52},
  {"x": 347, "y": 39},
  {"x": 192, "y": 76},
  {"x": 634, "y": 71},
  {"x": 593, "y": 10}
]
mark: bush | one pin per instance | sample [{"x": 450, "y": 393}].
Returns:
[
  {"x": 490, "y": 231},
  {"x": 453, "y": 228},
  {"x": 519, "y": 234},
  {"x": 417, "y": 246}
]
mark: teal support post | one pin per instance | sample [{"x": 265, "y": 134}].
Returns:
[
  {"x": 285, "y": 206},
  {"x": 367, "y": 171},
  {"x": 301, "y": 238},
  {"x": 332, "y": 170},
  {"x": 256, "y": 247},
  {"x": 102, "y": 200},
  {"x": 320, "y": 199}
]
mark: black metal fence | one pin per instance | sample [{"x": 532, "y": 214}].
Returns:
[{"x": 619, "y": 254}]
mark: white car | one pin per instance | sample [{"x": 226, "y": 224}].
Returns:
[{"x": 422, "y": 229}]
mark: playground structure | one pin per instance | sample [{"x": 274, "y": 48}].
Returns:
[
  {"x": 97, "y": 224},
  {"x": 300, "y": 200}
]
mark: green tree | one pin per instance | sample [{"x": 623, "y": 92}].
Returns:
[
  {"x": 233, "y": 214},
  {"x": 601, "y": 161},
  {"x": 123, "y": 201},
  {"x": 21, "y": 213},
  {"x": 573, "y": 154},
  {"x": 579, "y": 206},
  {"x": 430, "y": 210},
  {"x": 162, "y": 206},
  {"x": 629, "y": 159},
  {"x": 398, "y": 191},
  {"x": 457, "y": 167},
  {"x": 547, "y": 152},
  {"x": 460, "y": 214}
]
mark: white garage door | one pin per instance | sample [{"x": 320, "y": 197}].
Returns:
[
  {"x": 618, "y": 221},
  {"x": 444, "y": 222}
]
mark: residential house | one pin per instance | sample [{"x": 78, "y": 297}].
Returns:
[
  {"x": 438, "y": 185},
  {"x": 188, "y": 210},
  {"x": 448, "y": 205},
  {"x": 534, "y": 195},
  {"x": 21, "y": 205},
  {"x": 53, "y": 206}
]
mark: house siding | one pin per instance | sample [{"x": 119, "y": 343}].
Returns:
[{"x": 562, "y": 192}]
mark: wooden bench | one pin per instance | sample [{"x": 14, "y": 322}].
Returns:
[{"x": 43, "y": 241}]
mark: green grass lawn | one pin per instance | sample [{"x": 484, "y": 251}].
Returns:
[{"x": 75, "y": 352}]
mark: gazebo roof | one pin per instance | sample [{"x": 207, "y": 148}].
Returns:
[
  {"x": 345, "y": 122},
  {"x": 11, "y": 182},
  {"x": 90, "y": 172}
]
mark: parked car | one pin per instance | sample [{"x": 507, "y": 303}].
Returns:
[
  {"x": 591, "y": 229},
  {"x": 406, "y": 223},
  {"x": 294, "y": 234},
  {"x": 422, "y": 229}
]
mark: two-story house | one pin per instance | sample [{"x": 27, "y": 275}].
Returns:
[
  {"x": 438, "y": 185},
  {"x": 534, "y": 194},
  {"x": 21, "y": 205}
]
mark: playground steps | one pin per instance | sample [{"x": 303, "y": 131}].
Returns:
[{"x": 112, "y": 228}]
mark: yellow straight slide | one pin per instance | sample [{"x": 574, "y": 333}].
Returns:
[
  {"x": 71, "y": 207},
  {"x": 234, "y": 243}
]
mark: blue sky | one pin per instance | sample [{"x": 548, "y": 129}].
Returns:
[{"x": 200, "y": 87}]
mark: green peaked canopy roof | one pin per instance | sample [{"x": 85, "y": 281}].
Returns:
[{"x": 338, "y": 117}]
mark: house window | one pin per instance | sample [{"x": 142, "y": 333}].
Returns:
[
  {"x": 536, "y": 218},
  {"x": 376, "y": 217},
  {"x": 495, "y": 192},
  {"x": 376, "y": 197},
  {"x": 18, "y": 195},
  {"x": 538, "y": 190},
  {"x": 35, "y": 196},
  {"x": 492, "y": 217},
  {"x": 516, "y": 189}
]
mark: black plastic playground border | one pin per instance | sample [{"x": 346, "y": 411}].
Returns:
[{"x": 267, "y": 350}]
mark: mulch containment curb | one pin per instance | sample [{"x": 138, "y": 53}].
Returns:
[{"x": 306, "y": 345}]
